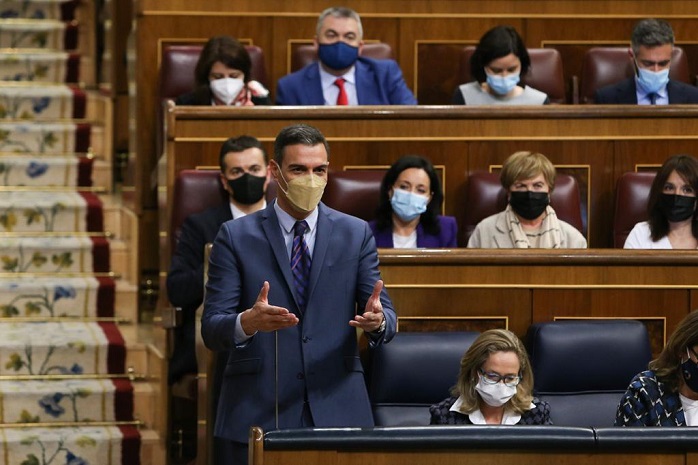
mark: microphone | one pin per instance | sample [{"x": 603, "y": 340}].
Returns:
[{"x": 276, "y": 378}]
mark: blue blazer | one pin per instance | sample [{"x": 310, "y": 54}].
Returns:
[
  {"x": 625, "y": 92},
  {"x": 318, "y": 359},
  {"x": 378, "y": 82},
  {"x": 447, "y": 237}
]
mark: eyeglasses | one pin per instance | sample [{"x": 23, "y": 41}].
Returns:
[{"x": 489, "y": 377}]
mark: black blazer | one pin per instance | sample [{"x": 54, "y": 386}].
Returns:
[
  {"x": 625, "y": 92},
  {"x": 185, "y": 282},
  {"x": 201, "y": 96}
]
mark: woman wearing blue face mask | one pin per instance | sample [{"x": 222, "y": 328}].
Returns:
[
  {"x": 497, "y": 64},
  {"x": 667, "y": 393},
  {"x": 671, "y": 208},
  {"x": 408, "y": 212}
]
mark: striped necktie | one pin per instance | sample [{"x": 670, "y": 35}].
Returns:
[{"x": 300, "y": 263}]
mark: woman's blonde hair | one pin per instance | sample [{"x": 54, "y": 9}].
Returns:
[
  {"x": 526, "y": 165},
  {"x": 489, "y": 342}
]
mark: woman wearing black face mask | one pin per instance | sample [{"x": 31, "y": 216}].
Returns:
[
  {"x": 671, "y": 208},
  {"x": 667, "y": 393},
  {"x": 528, "y": 221}
]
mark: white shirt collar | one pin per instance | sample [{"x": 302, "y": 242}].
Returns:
[
  {"x": 327, "y": 79},
  {"x": 287, "y": 221},
  {"x": 476, "y": 417},
  {"x": 237, "y": 213}
]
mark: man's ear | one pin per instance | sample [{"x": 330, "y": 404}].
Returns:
[
  {"x": 224, "y": 183},
  {"x": 316, "y": 44},
  {"x": 361, "y": 47}
]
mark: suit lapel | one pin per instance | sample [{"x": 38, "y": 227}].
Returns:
[
  {"x": 313, "y": 86},
  {"x": 322, "y": 241},
  {"x": 365, "y": 84},
  {"x": 271, "y": 227},
  {"x": 629, "y": 92},
  {"x": 674, "y": 93}
]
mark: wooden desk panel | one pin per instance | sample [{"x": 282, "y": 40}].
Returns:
[
  {"x": 594, "y": 143},
  {"x": 523, "y": 287}
]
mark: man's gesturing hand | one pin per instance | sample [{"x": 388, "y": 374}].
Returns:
[
  {"x": 265, "y": 317},
  {"x": 373, "y": 313}
]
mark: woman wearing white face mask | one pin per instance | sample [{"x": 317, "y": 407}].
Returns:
[
  {"x": 498, "y": 63},
  {"x": 222, "y": 77},
  {"x": 408, "y": 211},
  {"x": 493, "y": 387}
]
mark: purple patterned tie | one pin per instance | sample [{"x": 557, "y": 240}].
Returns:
[{"x": 300, "y": 263}]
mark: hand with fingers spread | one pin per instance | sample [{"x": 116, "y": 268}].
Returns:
[
  {"x": 373, "y": 317},
  {"x": 264, "y": 317}
]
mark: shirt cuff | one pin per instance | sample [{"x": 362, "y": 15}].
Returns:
[{"x": 240, "y": 338}]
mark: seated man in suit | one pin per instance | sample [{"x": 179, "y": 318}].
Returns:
[
  {"x": 342, "y": 77},
  {"x": 244, "y": 176},
  {"x": 652, "y": 43},
  {"x": 287, "y": 288}
]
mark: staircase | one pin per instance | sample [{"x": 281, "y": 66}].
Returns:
[{"x": 79, "y": 380}]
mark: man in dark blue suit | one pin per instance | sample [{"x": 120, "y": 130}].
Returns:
[
  {"x": 652, "y": 46},
  {"x": 342, "y": 77},
  {"x": 293, "y": 357}
]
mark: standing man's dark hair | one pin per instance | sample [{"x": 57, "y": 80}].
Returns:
[{"x": 302, "y": 134}]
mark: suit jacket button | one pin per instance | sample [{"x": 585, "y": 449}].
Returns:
[
  {"x": 306, "y": 339},
  {"x": 300, "y": 376}
]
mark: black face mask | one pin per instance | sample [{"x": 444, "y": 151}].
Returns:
[
  {"x": 677, "y": 207},
  {"x": 689, "y": 370},
  {"x": 247, "y": 189},
  {"x": 528, "y": 204}
]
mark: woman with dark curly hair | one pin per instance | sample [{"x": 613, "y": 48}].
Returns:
[
  {"x": 494, "y": 386},
  {"x": 671, "y": 208},
  {"x": 667, "y": 393},
  {"x": 408, "y": 211},
  {"x": 498, "y": 63},
  {"x": 222, "y": 77}
]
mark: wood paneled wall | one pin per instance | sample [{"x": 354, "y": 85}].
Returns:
[
  {"x": 482, "y": 289},
  {"x": 423, "y": 34},
  {"x": 596, "y": 144}
]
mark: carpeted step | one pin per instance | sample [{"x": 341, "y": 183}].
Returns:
[
  {"x": 62, "y": 347},
  {"x": 39, "y": 66},
  {"x": 95, "y": 445},
  {"x": 37, "y": 170},
  {"x": 38, "y": 9},
  {"x": 29, "y": 101},
  {"x": 42, "y": 137},
  {"x": 40, "y": 212},
  {"x": 38, "y": 33},
  {"x": 51, "y": 297},
  {"x": 54, "y": 254},
  {"x": 66, "y": 401}
]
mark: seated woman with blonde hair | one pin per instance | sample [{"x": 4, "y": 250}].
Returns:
[
  {"x": 528, "y": 220},
  {"x": 494, "y": 386}
]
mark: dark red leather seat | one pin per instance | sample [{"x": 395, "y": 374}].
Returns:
[{"x": 632, "y": 193}]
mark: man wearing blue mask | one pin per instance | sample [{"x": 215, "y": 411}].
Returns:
[
  {"x": 652, "y": 47},
  {"x": 342, "y": 77}
]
